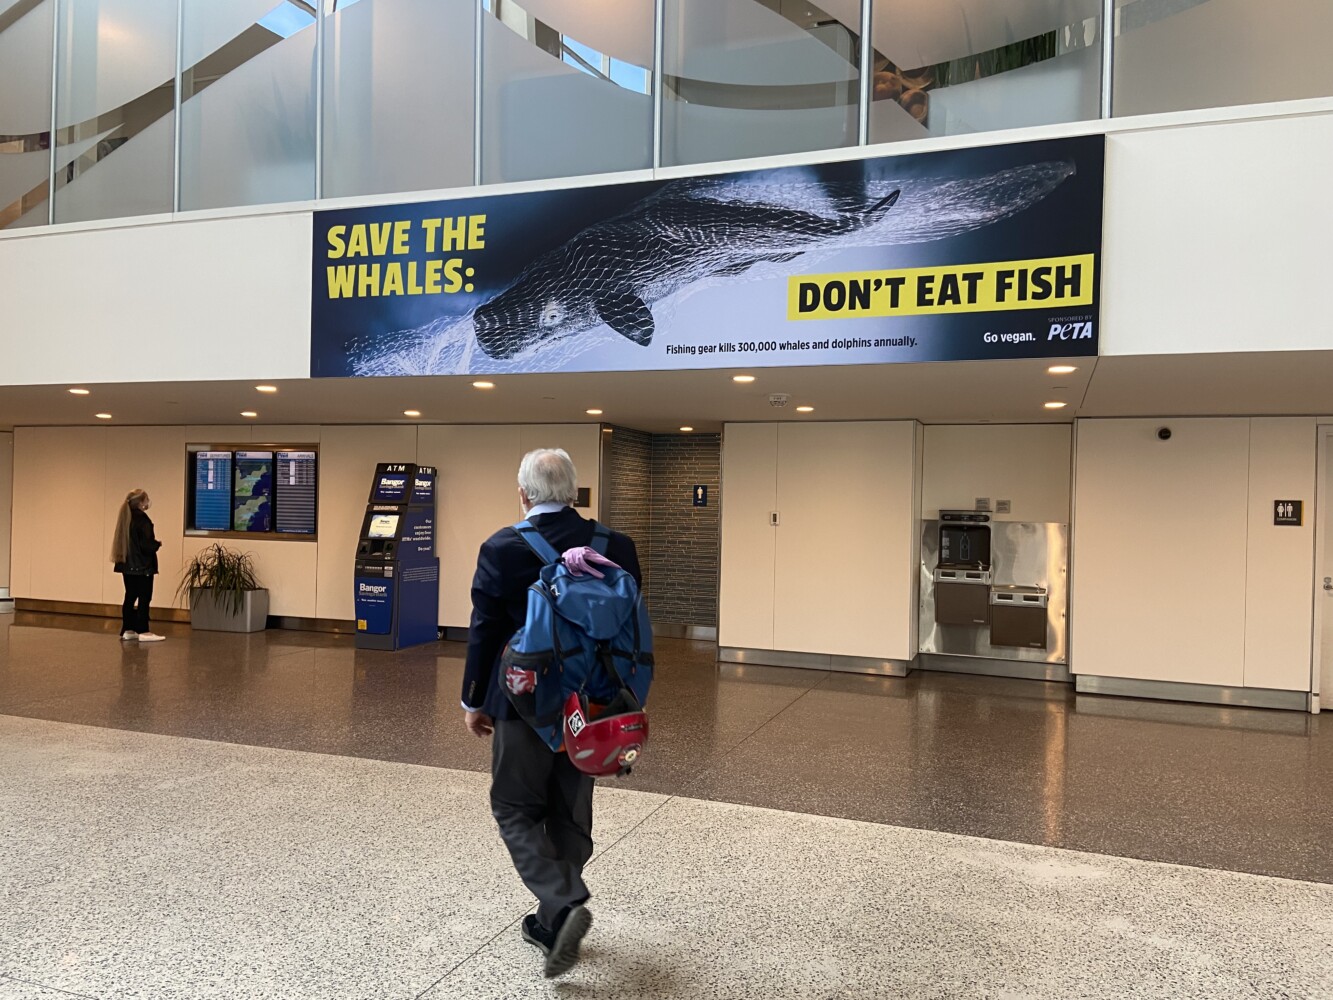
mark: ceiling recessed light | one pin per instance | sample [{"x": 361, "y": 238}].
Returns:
[
  {"x": 805, "y": 409},
  {"x": 249, "y": 413},
  {"x": 593, "y": 413},
  {"x": 411, "y": 413},
  {"x": 266, "y": 388},
  {"x": 742, "y": 378},
  {"x": 483, "y": 385},
  {"x": 80, "y": 392},
  {"x": 686, "y": 430},
  {"x": 1056, "y": 406},
  {"x": 102, "y": 416},
  {"x": 1061, "y": 369}
]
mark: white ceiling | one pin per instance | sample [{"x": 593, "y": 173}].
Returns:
[{"x": 953, "y": 392}]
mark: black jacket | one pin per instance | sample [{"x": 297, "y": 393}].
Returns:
[
  {"x": 506, "y": 568},
  {"x": 141, "y": 556}
]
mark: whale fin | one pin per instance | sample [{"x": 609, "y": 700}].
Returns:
[
  {"x": 627, "y": 314},
  {"x": 886, "y": 202}
]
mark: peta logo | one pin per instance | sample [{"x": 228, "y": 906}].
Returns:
[
  {"x": 372, "y": 588},
  {"x": 1070, "y": 331}
]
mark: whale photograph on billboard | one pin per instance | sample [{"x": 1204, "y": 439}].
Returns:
[{"x": 967, "y": 254}]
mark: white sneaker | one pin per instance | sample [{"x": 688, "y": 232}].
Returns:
[
  {"x": 127, "y": 635},
  {"x": 150, "y": 637}
]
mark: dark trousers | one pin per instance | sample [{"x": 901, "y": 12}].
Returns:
[
  {"x": 134, "y": 612},
  {"x": 543, "y": 805}
]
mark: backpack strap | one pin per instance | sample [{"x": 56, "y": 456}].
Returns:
[
  {"x": 541, "y": 548},
  {"x": 601, "y": 538}
]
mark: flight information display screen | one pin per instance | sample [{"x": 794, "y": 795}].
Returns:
[
  {"x": 296, "y": 492},
  {"x": 252, "y": 490},
  {"x": 212, "y": 490},
  {"x": 252, "y": 495}
]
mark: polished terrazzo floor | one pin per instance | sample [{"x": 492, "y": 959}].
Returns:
[
  {"x": 1243, "y": 790},
  {"x": 144, "y": 866}
]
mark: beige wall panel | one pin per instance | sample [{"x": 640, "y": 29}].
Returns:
[
  {"x": 153, "y": 459},
  {"x": 478, "y": 495},
  {"x": 582, "y": 441},
  {"x": 285, "y": 434},
  {"x": 1324, "y": 529},
  {"x": 150, "y": 283},
  {"x": 219, "y": 434},
  {"x": 1280, "y": 560},
  {"x": 749, "y": 543},
  {"x": 6, "y": 501},
  {"x": 1159, "y": 550},
  {"x": 286, "y": 569},
  {"x": 347, "y": 459},
  {"x": 846, "y": 495},
  {"x": 478, "y": 490},
  {"x": 60, "y": 508},
  {"x": 1025, "y": 463},
  {"x": 24, "y": 503},
  {"x": 1173, "y": 180},
  {"x": 913, "y": 573}
]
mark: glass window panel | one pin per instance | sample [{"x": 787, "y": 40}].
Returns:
[
  {"x": 564, "y": 93},
  {"x": 398, "y": 96},
  {"x": 744, "y": 78},
  {"x": 1177, "y": 55},
  {"x": 25, "y": 111},
  {"x": 248, "y": 103},
  {"x": 116, "y": 67},
  {"x": 958, "y": 66}
]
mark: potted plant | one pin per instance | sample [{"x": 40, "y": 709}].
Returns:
[{"x": 223, "y": 592}]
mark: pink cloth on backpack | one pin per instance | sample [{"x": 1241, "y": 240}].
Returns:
[{"x": 578, "y": 561}]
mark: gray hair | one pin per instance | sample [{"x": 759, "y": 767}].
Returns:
[{"x": 547, "y": 475}]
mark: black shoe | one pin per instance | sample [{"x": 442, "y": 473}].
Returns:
[
  {"x": 564, "y": 954},
  {"x": 537, "y": 935}
]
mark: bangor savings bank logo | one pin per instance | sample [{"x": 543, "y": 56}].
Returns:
[{"x": 371, "y": 588}]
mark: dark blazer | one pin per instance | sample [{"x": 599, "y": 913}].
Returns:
[
  {"x": 506, "y": 568},
  {"x": 141, "y": 557}
]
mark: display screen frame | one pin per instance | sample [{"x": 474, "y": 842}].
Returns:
[{"x": 235, "y": 447}]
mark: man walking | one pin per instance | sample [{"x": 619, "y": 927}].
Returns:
[{"x": 541, "y": 801}]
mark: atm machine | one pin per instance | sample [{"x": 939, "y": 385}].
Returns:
[{"x": 397, "y": 577}]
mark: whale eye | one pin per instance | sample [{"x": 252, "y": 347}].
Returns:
[{"x": 553, "y": 313}]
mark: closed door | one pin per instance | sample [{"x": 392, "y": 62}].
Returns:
[
  {"x": 844, "y": 541},
  {"x": 1324, "y": 568},
  {"x": 749, "y": 483}
]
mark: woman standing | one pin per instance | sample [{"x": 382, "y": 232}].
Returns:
[{"x": 134, "y": 551}]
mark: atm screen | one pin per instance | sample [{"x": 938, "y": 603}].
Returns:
[
  {"x": 252, "y": 498},
  {"x": 383, "y": 526}
]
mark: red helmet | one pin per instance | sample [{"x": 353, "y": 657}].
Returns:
[{"x": 605, "y": 741}]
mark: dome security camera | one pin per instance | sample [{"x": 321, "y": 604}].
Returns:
[{"x": 1164, "y": 433}]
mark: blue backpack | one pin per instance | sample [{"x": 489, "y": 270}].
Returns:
[{"x": 581, "y": 634}]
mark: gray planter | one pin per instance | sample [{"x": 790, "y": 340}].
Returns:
[{"x": 207, "y": 614}]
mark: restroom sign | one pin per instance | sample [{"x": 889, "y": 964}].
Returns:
[
  {"x": 701, "y": 496},
  {"x": 1287, "y": 513}
]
